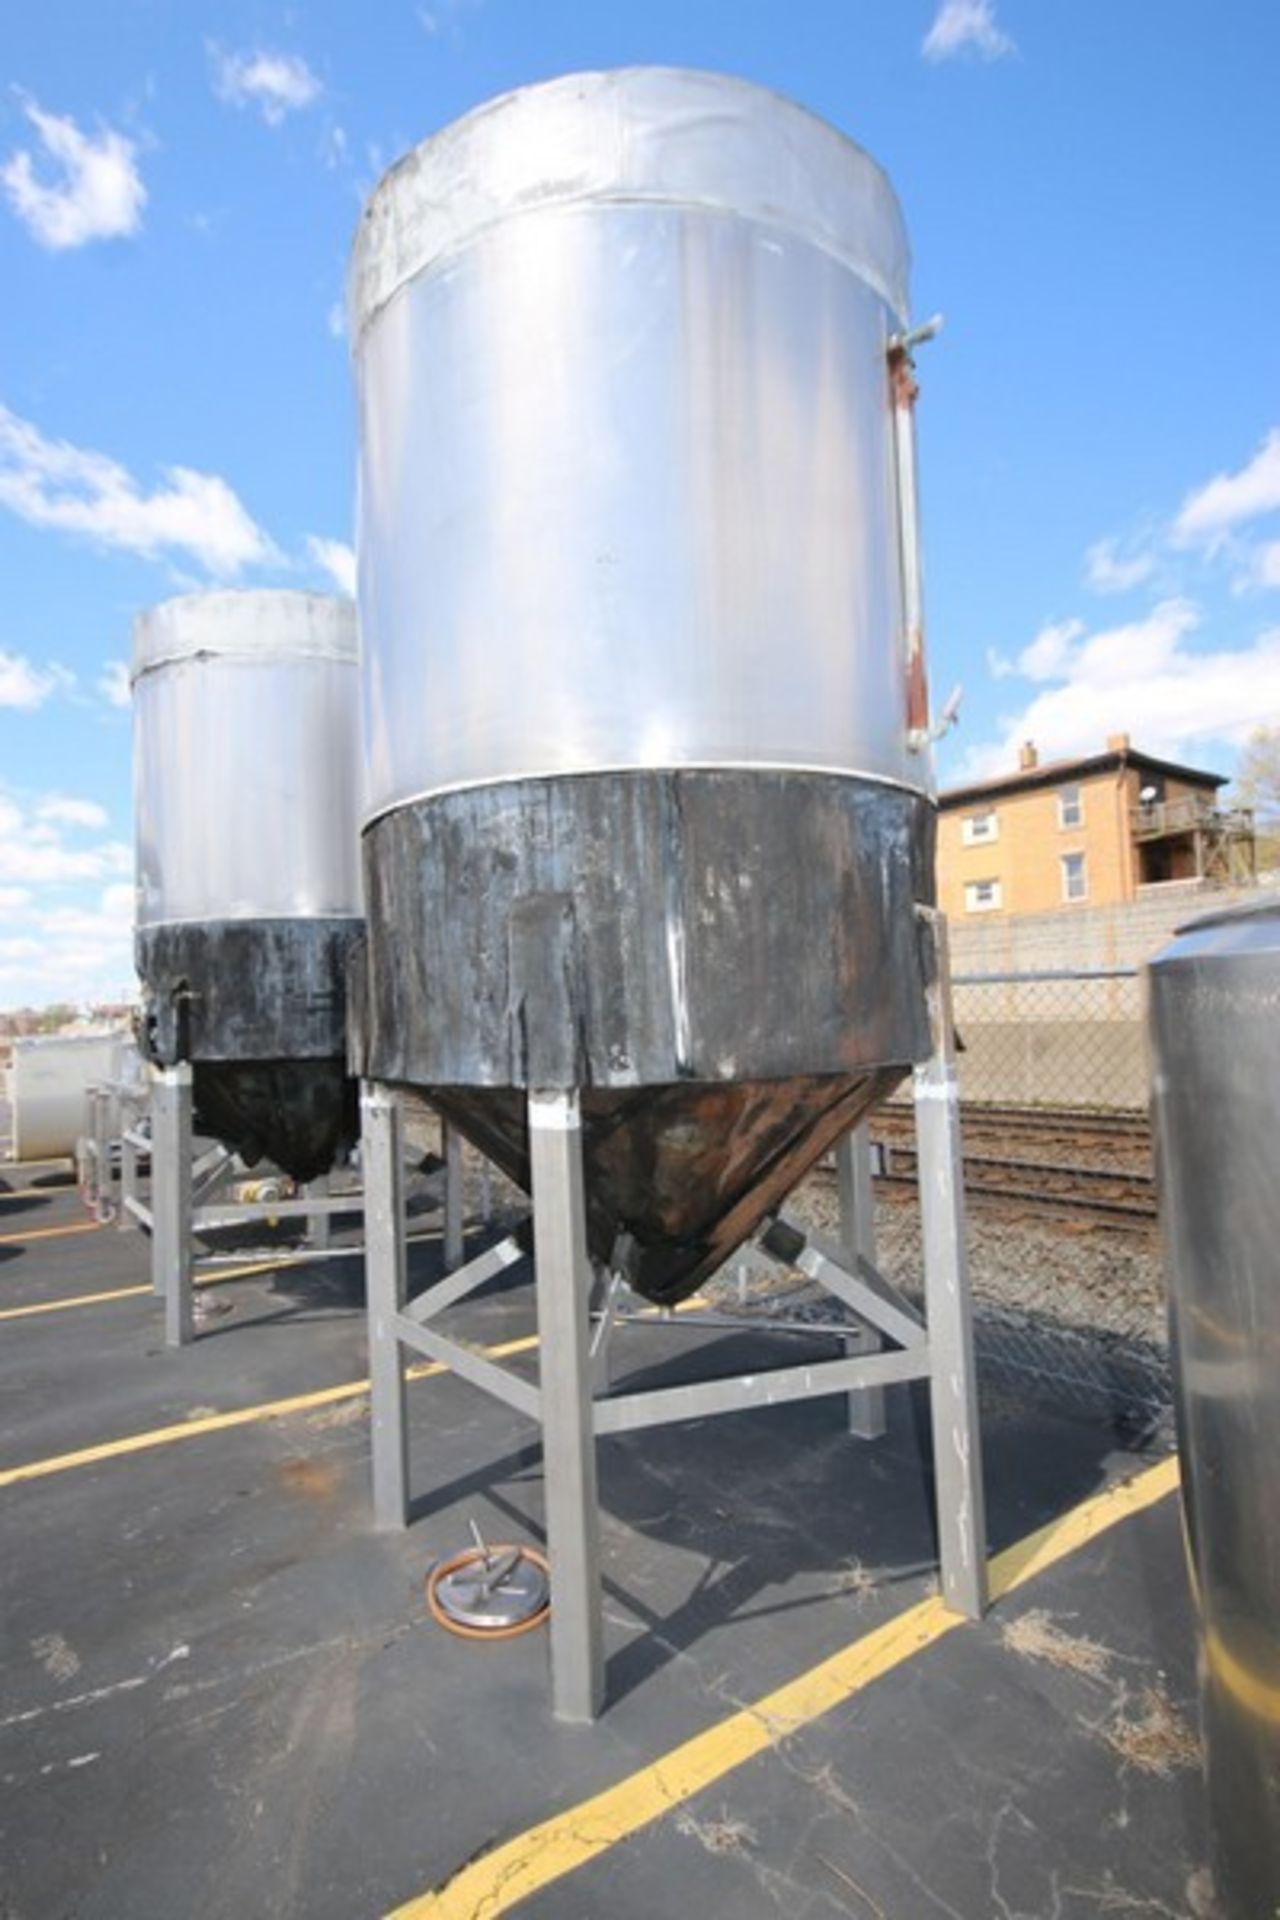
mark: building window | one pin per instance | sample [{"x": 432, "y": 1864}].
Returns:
[
  {"x": 982, "y": 896},
  {"x": 978, "y": 828},
  {"x": 1070, "y": 806},
  {"x": 1074, "y": 883}
]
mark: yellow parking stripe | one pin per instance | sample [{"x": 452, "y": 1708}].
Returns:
[
  {"x": 47, "y": 1233},
  {"x": 544, "y": 1854},
  {"x": 221, "y": 1422},
  {"x": 76, "y": 1300},
  {"x": 214, "y": 1279},
  {"x": 263, "y": 1410}
]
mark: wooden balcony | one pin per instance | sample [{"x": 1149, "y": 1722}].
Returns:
[{"x": 1156, "y": 819}]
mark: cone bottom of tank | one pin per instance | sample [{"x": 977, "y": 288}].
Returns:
[
  {"x": 258, "y": 1007},
  {"x": 302, "y": 1115},
  {"x": 725, "y": 962},
  {"x": 677, "y": 1177}
]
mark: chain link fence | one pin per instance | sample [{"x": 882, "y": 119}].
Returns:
[{"x": 1059, "y": 1178}]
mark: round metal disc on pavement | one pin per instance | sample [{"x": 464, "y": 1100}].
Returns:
[{"x": 496, "y": 1591}]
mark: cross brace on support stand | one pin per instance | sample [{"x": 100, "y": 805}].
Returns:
[
  {"x": 889, "y": 1341},
  {"x": 183, "y": 1202}
]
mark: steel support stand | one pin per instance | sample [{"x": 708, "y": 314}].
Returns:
[
  {"x": 867, "y": 1416},
  {"x": 128, "y": 1166},
  {"x": 101, "y": 1108},
  {"x": 320, "y": 1224},
  {"x": 563, "y": 1272},
  {"x": 574, "y": 1402},
  {"x": 486, "y": 1191},
  {"x": 605, "y": 1296},
  {"x": 953, "y": 1392},
  {"x": 386, "y": 1282},
  {"x": 454, "y": 1197},
  {"x": 171, "y": 1249}
]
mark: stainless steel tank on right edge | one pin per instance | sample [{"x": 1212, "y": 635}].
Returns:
[{"x": 1215, "y": 1030}]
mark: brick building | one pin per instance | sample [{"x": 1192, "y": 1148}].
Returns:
[{"x": 1096, "y": 831}]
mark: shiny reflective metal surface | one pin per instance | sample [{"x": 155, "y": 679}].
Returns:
[
  {"x": 1215, "y": 1029},
  {"x": 245, "y": 758},
  {"x": 627, "y": 486}
]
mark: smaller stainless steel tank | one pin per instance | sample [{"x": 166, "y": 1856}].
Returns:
[
  {"x": 1215, "y": 1030},
  {"x": 48, "y": 1080},
  {"x": 245, "y": 731}
]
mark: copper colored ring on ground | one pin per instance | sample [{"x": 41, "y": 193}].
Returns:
[{"x": 468, "y": 1557}]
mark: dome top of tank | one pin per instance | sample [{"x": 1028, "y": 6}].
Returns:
[
  {"x": 246, "y": 623},
  {"x": 635, "y": 135}
]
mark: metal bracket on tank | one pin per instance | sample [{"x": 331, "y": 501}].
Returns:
[{"x": 904, "y": 393}]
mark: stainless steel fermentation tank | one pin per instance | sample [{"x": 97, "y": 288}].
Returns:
[
  {"x": 1215, "y": 1028},
  {"x": 648, "y": 844},
  {"x": 643, "y": 816},
  {"x": 245, "y": 756}
]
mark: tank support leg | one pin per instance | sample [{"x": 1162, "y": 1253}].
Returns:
[
  {"x": 564, "y": 1282},
  {"x": 454, "y": 1197},
  {"x": 957, "y": 1455},
  {"x": 101, "y": 1109},
  {"x": 867, "y": 1420},
  {"x": 386, "y": 1283},
  {"x": 171, "y": 1204},
  {"x": 319, "y": 1225},
  {"x": 128, "y": 1165}
]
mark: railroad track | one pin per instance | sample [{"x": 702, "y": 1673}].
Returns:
[
  {"x": 1037, "y": 1183},
  {"x": 1046, "y": 1161},
  {"x": 1117, "y": 1145}
]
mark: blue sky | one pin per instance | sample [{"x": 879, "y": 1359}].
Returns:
[{"x": 1092, "y": 193}]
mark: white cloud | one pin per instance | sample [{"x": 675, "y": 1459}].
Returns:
[
  {"x": 78, "y": 951},
  {"x": 966, "y": 27},
  {"x": 337, "y": 559},
  {"x": 1266, "y": 565},
  {"x": 82, "y": 187},
  {"x": 51, "y": 483},
  {"x": 113, "y": 684},
  {"x": 36, "y": 862},
  {"x": 67, "y": 912},
  {"x": 26, "y": 686},
  {"x": 1047, "y": 655},
  {"x": 1141, "y": 678},
  {"x": 1107, "y": 570},
  {"x": 276, "y": 84},
  {"x": 1230, "y": 499},
  {"x": 64, "y": 810}
]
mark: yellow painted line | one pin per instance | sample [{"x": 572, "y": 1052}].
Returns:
[
  {"x": 77, "y": 1300},
  {"x": 548, "y": 1852},
  {"x": 215, "y": 1279},
  {"x": 246, "y": 1416},
  {"x": 237, "y": 1417},
  {"x": 216, "y": 1275},
  {"x": 35, "y": 1193},
  {"x": 47, "y": 1233}
]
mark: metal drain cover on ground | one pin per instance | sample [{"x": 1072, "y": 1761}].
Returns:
[{"x": 493, "y": 1591}]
